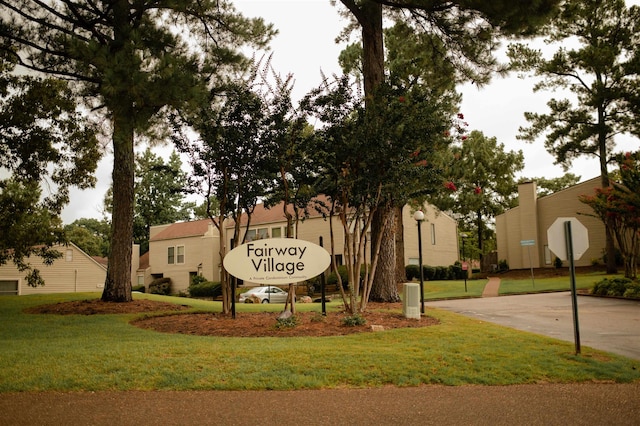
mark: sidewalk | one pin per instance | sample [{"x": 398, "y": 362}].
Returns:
[
  {"x": 492, "y": 288},
  {"x": 547, "y": 404}
]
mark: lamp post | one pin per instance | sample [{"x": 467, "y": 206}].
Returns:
[
  {"x": 419, "y": 217},
  {"x": 465, "y": 266}
]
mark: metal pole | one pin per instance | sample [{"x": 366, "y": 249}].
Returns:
[
  {"x": 322, "y": 288},
  {"x": 572, "y": 269},
  {"x": 421, "y": 269},
  {"x": 466, "y": 271},
  {"x": 531, "y": 266}
]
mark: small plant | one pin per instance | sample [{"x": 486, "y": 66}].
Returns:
[
  {"x": 318, "y": 317},
  {"x": 354, "y": 320},
  {"x": 288, "y": 322},
  {"x": 503, "y": 265},
  {"x": 557, "y": 263}
]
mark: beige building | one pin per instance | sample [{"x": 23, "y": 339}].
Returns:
[
  {"x": 182, "y": 250},
  {"x": 530, "y": 220},
  {"x": 74, "y": 272}
]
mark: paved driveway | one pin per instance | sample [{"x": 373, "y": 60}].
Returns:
[{"x": 611, "y": 325}]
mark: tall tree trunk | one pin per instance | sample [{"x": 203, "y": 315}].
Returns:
[
  {"x": 610, "y": 245},
  {"x": 384, "y": 287},
  {"x": 370, "y": 18},
  {"x": 117, "y": 287}
]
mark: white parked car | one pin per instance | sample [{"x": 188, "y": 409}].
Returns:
[{"x": 268, "y": 294}]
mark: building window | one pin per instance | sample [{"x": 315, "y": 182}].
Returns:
[
  {"x": 140, "y": 279},
  {"x": 276, "y": 232},
  {"x": 171, "y": 255},
  {"x": 414, "y": 261},
  {"x": 263, "y": 233},
  {"x": 251, "y": 235},
  {"x": 69, "y": 255},
  {"x": 547, "y": 255},
  {"x": 433, "y": 234},
  {"x": 180, "y": 257}
]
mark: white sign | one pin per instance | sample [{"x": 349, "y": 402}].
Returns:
[
  {"x": 277, "y": 261},
  {"x": 558, "y": 242}
]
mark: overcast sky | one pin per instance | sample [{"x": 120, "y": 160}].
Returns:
[{"x": 305, "y": 47}]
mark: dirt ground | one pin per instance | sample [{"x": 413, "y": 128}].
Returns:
[{"x": 259, "y": 324}]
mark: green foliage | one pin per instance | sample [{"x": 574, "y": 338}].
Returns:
[
  {"x": 557, "y": 263},
  {"x": 43, "y": 141},
  {"x": 618, "y": 206},
  {"x": 288, "y": 322},
  {"x": 91, "y": 235},
  {"x": 354, "y": 320},
  {"x": 139, "y": 288},
  {"x": 599, "y": 71},
  {"x": 127, "y": 64},
  {"x": 412, "y": 272},
  {"x": 503, "y": 265},
  {"x": 618, "y": 287},
  {"x": 160, "y": 286},
  {"x": 205, "y": 289},
  {"x": 547, "y": 186}
]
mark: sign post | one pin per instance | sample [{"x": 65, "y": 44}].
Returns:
[
  {"x": 528, "y": 244},
  {"x": 569, "y": 239}
]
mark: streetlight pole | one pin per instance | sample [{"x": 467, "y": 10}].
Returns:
[
  {"x": 419, "y": 217},
  {"x": 465, "y": 266}
]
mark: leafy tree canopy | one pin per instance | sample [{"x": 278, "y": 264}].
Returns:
[{"x": 44, "y": 143}]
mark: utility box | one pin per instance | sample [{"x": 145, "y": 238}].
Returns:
[{"x": 411, "y": 300}]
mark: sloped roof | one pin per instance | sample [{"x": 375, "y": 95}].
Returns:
[
  {"x": 194, "y": 228},
  {"x": 274, "y": 214},
  {"x": 144, "y": 262}
]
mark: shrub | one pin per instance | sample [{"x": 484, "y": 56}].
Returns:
[
  {"x": 198, "y": 279},
  {"x": 612, "y": 287},
  {"x": 412, "y": 271},
  {"x": 160, "y": 286},
  {"x": 139, "y": 288},
  {"x": 354, "y": 320},
  {"x": 288, "y": 322},
  {"x": 206, "y": 289},
  {"x": 503, "y": 265},
  {"x": 557, "y": 263},
  {"x": 633, "y": 290}
]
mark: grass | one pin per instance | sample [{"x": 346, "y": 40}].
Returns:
[
  {"x": 453, "y": 289},
  {"x": 104, "y": 352},
  {"x": 583, "y": 281}
]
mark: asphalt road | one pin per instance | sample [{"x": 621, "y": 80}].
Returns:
[{"x": 608, "y": 324}]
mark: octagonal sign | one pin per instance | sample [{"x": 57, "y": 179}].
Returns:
[{"x": 557, "y": 240}]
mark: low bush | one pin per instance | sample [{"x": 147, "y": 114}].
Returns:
[
  {"x": 413, "y": 272},
  {"x": 139, "y": 288},
  {"x": 633, "y": 291},
  {"x": 160, "y": 286},
  {"x": 431, "y": 273},
  {"x": 354, "y": 320},
  {"x": 612, "y": 287},
  {"x": 206, "y": 289},
  {"x": 288, "y": 322}
]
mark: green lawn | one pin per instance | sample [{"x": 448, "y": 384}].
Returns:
[
  {"x": 104, "y": 352},
  {"x": 583, "y": 281}
]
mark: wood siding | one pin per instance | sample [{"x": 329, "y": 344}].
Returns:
[{"x": 69, "y": 274}]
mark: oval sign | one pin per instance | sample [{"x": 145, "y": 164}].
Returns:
[{"x": 277, "y": 261}]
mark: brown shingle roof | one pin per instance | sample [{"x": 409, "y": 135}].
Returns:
[
  {"x": 183, "y": 229},
  {"x": 261, "y": 214}
]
